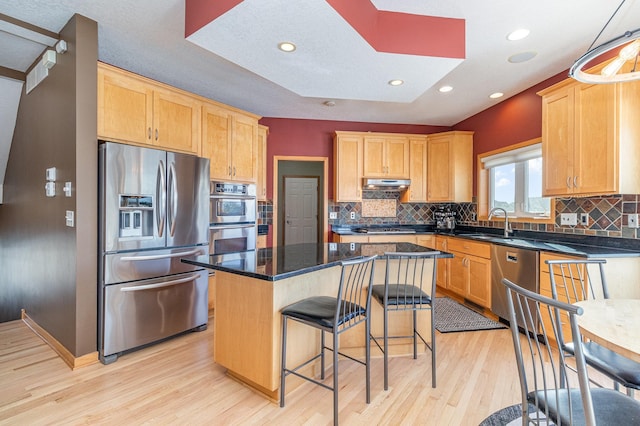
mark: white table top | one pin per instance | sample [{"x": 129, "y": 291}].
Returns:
[{"x": 612, "y": 323}]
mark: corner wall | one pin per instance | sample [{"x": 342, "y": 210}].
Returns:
[{"x": 47, "y": 268}]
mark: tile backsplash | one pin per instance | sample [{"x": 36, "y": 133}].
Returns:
[{"x": 608, "y": 215}]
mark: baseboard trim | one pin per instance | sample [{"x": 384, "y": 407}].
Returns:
[{"x": 72, "y": 361}]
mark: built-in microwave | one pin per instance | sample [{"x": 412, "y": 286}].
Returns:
[{"x": 232, "y": 203}]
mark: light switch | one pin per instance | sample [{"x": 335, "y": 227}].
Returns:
[
  {"x": 67, "y": 189},
  {"x": 50, "y": 174},
  {"x": 50, "y": 189},
  {"x": 69, "y": 218}
]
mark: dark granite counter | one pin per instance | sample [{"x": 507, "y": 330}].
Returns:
[
  {"x": 276, "y": 263},
  {"x": 569, "y": 244}
]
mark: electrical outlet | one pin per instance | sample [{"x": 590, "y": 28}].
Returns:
[
  {"x": 632, "y": 221},
  {"x": 568, "y": 219},
  {"x": 584, "y": 219},
  {"x": 333, "y": 215},
  {"x": 333, "y": 246},
  {"x": 352, "y": 246},
  {"x": 352, "y": 215}
]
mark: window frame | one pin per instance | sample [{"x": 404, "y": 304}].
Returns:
[{"x": 484, "y": 188}]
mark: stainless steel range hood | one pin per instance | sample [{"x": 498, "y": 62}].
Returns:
[{"x": 386, "y": 184}]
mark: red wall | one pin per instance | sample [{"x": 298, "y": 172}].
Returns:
[{"x": 314, "y": 138}]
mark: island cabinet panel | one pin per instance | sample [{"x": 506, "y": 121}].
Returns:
[
  {"x": 450, "y": 167},
  {"x": 135, "y": 110},
  {"x": 347, "y": 156},
  {"x": 589, "y": 138},
  {"x": 230, "y": 141}
]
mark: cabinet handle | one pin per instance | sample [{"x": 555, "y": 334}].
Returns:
[
  {"x": 569, "y": 182},
  {"x": 156, "y": 134},
  {"x": 234, "y": 170},
  {"x": 575, "y": 181},
  {"x": 149, "y": 133},
  {"x": 229, "y": 170}
]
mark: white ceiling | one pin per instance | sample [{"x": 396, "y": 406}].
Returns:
[{"x": 248, "y": 72}]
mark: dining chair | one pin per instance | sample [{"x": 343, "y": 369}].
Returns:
[
  {"x": 544, "y": 382},
  {"x": 335, "y": 315},
  {"x": 410, "y": 285},
  {"x": 583, "y": 279}
]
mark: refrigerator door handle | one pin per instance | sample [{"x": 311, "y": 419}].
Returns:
[
  {"x": 160, "y": 285},
  {"x": 172, "y": 199},
  {"x": 160, "y": 256},
  {"x": 161, "y": 199}
]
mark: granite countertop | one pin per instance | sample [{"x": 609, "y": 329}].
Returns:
[
  {"x": 276, "y": 263},
  {"x": 569, "y": 244}
]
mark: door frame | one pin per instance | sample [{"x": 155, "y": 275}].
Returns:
[{"x": 325, "y": 193}]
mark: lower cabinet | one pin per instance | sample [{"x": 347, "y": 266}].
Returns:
[
  {"x": 469, "y": 271},
  {"x": 212, "y": 292}
]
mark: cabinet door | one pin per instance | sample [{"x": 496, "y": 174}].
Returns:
[
  {"x": 216, "y": 140},
  {"x": 374, "y": 157},
  {"x": 442, "y": 272},
  {"x": 397, "y": 158},
  {"x": 557, "y": 142},
  {"x": 479, "y": 280},
  {"x": 348, "y": 168},
  {"x": 417, "y": 192},
  {"x": 176, "y": 121},
  {"x": 458, "y": 274},
  {"x": 426, "y": 241},
  {"x": 438, "y": 170},
  {"x": 244, "y": 149},
  {"x": 261, "y": 187},
  {"x": 125, "y": 108},
  {"x": 595, "y": 156}
]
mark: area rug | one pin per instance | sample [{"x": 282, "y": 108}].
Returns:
[{"x": 451, "y": 317}]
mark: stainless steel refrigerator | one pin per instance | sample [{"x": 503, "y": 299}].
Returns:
[{"x": 154, "y": 211}]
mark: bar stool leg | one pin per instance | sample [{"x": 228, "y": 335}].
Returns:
[
  {"x": 283, "y": 362},
  {"x": 433, "y": 346},
  {"x": 335, "y": 378},
  {"x": 386, "y": 348}
]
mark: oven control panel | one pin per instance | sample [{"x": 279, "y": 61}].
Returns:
[{"x": 237, "y": 189}]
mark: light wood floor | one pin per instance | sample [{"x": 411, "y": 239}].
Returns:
[{"x": 177, "y": 382}]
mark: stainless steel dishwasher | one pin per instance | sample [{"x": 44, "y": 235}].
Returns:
[{"x": 520, "y": 266}]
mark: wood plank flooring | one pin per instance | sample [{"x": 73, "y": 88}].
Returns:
[{"x": 177, "y": 382}]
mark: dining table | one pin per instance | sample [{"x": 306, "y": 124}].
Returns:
[{"x": 612, "y": 323}]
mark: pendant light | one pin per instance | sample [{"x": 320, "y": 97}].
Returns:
[{"x": 612, "y": 72}]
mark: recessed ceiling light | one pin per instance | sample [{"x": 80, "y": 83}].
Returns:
[
  {"x": 522, "y": 57},
  {"x": 518, "y": 34},
  {"x": 396, "y": 82},
  {"x": 496, "y": 95},
  {"x": 445, "y": 89},
  {"x": 286, "y": 46}
]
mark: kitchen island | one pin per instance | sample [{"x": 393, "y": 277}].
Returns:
[{"x": 253, "y": 287}]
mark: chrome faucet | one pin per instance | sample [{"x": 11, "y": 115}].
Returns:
[{"x": 507, "y": 228}]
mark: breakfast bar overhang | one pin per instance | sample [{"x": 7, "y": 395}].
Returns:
[{"x": 252, "y": 288}]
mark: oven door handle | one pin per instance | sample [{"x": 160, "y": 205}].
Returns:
[
  {"x": 236, "y": 226},
  {"x": 161, "y": 285},
  {"x": 160, "y": 256}
]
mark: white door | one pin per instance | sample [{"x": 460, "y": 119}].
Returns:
[{"x": 301, "y": 210}]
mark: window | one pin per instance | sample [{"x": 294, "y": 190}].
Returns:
[{"x": 513, "y": 180}]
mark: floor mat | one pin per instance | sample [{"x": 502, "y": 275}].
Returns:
[{"x": 451, "y": 316}]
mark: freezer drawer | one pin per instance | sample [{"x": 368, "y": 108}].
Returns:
[{"x": 142, "y": 312}]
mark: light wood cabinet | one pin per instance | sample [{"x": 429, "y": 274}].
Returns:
[
  {"x": 386, "y": 156},
  {"x": 261, "y": 186},
  {"x": 442, "y": 272},
  {"x": 136, "y": 110},
  {"x": 347, "y": 157},
  {"x": 469, "y": 271},
  {"x": 450, "y": 167},
  {"x": 212, "y": 292},
  {"x": 589, "y": 138},
  {"x": 417, "y": 191},
  {"x": 229, "y": 140}
]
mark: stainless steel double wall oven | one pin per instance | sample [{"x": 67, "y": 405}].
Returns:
[{"x": 232, "y": 218}]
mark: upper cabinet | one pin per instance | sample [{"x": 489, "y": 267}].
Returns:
[
  {"x": 229, "y": 140},
  {"x": 417, "y": 192},
  {"x": 261, "y": 190},
  {"x": 386, "y": 156},
  {"x": 133, "y": 109},
  {"x": 347, "y": 157},
  {"x": 450, "y": 167},
  {"x": 590, "y": 138}
]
